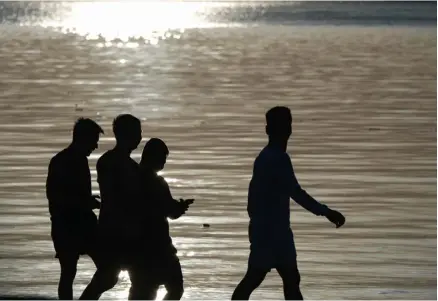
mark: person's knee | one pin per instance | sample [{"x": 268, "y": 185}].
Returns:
[
  {"x": 254, "y": 277},
  {"x": 106, "y": 279},
  {"x": 252, "y": 280},
  {"x": 68, "y": 269},
  {"x": 143, "y": 292},
  {"x": 68, "y": 274},
  {"x": 290, "y": 276}
]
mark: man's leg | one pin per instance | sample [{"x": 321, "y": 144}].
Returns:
[
  {"x": 107, "y": 272},
  {"x": 104, "y": 279},
  {"x": 174, "y": 282},
  {"x": 291, "y": 281},
  {"x": 68, "y": 264},
  {"x": 143, "y": 284},
  {"x": 252, "y": 280}
]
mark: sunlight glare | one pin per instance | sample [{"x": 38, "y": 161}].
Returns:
[
  {"x": 124, "y": 275},
  {"x": 161, "y": 293},
  {"x": 131, "y": 20},
  {"x": 124, "y": 278}
]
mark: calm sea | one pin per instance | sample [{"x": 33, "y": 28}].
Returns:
[{"x": 359, "y": 77}]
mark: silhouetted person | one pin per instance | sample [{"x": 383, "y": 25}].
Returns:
[
  {"x": 71, "y": 203},
  {"x": 272, "y": 185},
  {"x": 118, "y": 177},
  {"x": 159, "y": 256}
]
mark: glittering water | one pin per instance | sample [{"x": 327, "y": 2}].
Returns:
[{"x": 364, "y": 142}]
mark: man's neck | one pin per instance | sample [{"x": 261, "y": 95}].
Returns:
[
  {"x": 280, "y": 145},
  {"x": 122, "y": 150},
  {"x": 148, "y": 169},
  {"x": 74, "y": 147}
]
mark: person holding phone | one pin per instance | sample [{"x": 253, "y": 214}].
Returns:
[{"x": 157, "y": 254}]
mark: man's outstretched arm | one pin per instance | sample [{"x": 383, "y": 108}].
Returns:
[
  {"x": 295, "y": 191},
  {"x": 301, "y": 197}
]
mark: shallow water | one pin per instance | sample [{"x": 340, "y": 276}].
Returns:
[{"x": 364, "y": 142}]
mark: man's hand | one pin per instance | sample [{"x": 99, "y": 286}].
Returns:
[
  {"x": 180, "y": 207},
  {"x": 335, "y": 217},
  {"x": 95, "y": 204},
  {"x": 188, "y": 202},
  {"x": 185, "y": 204}
]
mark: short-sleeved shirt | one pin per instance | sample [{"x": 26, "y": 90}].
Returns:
[
  {"x": 68, "y": 190},
  {"x": 158, "y": 205},
  {"x": 68, "y": 185}
]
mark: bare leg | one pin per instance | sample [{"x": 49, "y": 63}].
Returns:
[
  {"x": 68, "y": 273},
  {"x": 252, "y": 280},
  {"x": 175, "y": 282},
  {"x": 103, "y": 280},
  {"x": 143, "y": 287},
  {"x": 291, "y": 282},
  {"x": 146, "y": 292}
]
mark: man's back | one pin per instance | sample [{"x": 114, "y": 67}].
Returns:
[
  {"x": 68, "y": 190},
  {"x": 68, "y": 186},
  {"x": 118, "y": 182},
  {"x": 268, "y": 201}
]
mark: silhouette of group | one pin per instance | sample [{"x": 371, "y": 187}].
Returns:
[{"x": 132, "y": 231}]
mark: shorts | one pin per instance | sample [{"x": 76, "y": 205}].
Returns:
[
  {"x": 271, "y": 252},
  {"x": 164, "y": 270},
  {"x": 170, "y": 272},
  {"x": 73, "y": 238},
  {"x": 115, "y": 252}
]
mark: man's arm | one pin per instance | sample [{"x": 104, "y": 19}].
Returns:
[
  {"x": 171, "y": 207},
  {"x": 299, "y": 195},
  {"x": 106, "y": 183}
]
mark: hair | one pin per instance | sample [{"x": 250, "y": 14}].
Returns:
[
  {"x": 154, "y": 146},
  {"x": 84, "y": 128},
  {"x": 124, "y": 124},
  {"x": 278, "y": 116}
]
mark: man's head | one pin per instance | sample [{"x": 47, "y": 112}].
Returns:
[
  {"x": 86, "y": 135},
  {"x": 279, "y": 123},
  {"x": 154, "y": 154},
  {"x": 127, "y": 130}
]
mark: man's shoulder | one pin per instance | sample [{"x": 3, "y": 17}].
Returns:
[
  {"x": 270, "y": 156},
  {"x": 61, "y": 158},
  {"x": 155, "y": 179},
  {"x": 134, "y": 163},
  {"x": 107, "y": 159},
  {"x": 161, "y": 180}
]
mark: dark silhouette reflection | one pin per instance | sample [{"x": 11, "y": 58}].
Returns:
[
  {"x": 71, "y": 203},
  {"x": 272, "y": 185},
  {"x": 158, "y": 263},
  {"x": 119, "y": 218}
]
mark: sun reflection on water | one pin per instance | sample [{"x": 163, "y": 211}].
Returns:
[{"x": 132, "y": 21}]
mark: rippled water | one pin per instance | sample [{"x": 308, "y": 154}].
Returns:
[{"x": 364, "y": 142}]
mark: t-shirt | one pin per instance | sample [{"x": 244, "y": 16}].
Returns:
[
  {"x": 68, "y": 189},
  {"x": 117, "y": 174},
  {"x": 272, "y": 185},
  {"x": 158, "y": 205}
]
